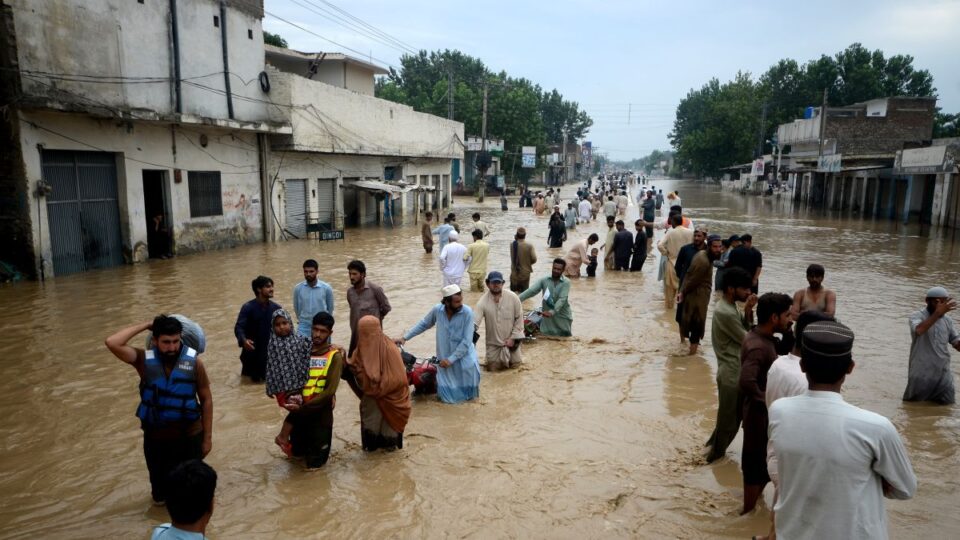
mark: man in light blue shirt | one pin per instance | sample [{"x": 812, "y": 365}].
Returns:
[
  {"x": 443, "y": 231},
  {"x": 189, "y": 502},
  {"x": 311, "y": 296}
]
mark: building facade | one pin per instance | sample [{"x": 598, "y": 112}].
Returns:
[
  {"x": 142, "y": 129},
  {"x": 121, "y": 125},
  {"x": 855, "y": 171}
]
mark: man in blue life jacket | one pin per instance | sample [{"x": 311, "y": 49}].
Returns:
[{"x": 176, "y": 407}]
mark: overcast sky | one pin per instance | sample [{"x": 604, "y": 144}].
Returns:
[{"x": 640, "y": 57}]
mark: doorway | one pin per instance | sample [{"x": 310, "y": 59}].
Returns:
[{"x": 156, "y": 214}]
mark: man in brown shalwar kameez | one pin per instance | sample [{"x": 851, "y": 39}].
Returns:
[
  {"x": 757, "y": 353},
  {"x": 694, "y": 295}
]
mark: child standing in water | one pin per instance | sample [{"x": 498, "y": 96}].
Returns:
[
  {"x": 592, "y": 265},
  {"x": 288, "y": 357}
]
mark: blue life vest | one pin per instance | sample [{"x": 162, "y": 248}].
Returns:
[{"x": 172, "y": 400}]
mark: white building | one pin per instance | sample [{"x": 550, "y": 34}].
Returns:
[
  {"x": 349, "y": 152},
  {"x": 122, "y": 113}
]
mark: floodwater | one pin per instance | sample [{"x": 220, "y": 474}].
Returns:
[{"x": 594, "y": 437}]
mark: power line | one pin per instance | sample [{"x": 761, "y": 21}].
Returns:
[
  {"x": 360, "y": 54},
  {"x": 371, "y": 27},
  {"x": 362, "y": 28}
]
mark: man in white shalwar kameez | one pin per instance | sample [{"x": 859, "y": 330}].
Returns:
[{"x": 451, "y": 260}]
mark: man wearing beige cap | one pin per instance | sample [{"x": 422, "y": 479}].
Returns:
[
  {"x": 932, "y": 331},
  {"x": 836, "y": 462}
]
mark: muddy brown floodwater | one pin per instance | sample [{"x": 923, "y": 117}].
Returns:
[{"x": 595, "y": 437}]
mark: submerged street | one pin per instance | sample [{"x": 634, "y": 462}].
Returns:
[{"x": 595, "y": 436}]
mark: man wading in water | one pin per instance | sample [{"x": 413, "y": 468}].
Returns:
[{"x": 176, "y": 406}]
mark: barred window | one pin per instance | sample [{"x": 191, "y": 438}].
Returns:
[{"x": 205, "y": 197}]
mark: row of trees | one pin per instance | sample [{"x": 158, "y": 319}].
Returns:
[
  {"x": 518, "y": 111},
  {"x": 649, "y": 163},
  {"x": 725, "y": 123}
]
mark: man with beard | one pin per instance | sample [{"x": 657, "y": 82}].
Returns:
[
  {"x": 364, "y": 298},
  {"x": 815, "y": 297},
  {"x": 311, "y": 296},
  {"x": 458, "y": 378},
  {"x": 252, "y": 329},
  {"x": 503, "y": 314},
  {"x": 694, "y": 295},
  {"x": 622, "y": 247},
  {"x": 684, "y": 258},
  {"x": 727, "y": 332},
  {"x": 757, "y": 354},
  {"x": 557, "y": 315},
  {"x": 929, "y": 377},
  {"x": 176, "y": 406}
]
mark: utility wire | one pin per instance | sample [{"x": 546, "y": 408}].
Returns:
[
  {"x": 307, "y": 30},
  {"x": 371, "y": 27},
  {"x": 375, "y": 34}
]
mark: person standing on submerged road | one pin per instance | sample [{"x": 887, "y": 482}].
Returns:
[
  {"x": 557, "y": 315},
  {"x": 836, "y": 462},
  {"x": 381, "y": 386},
  {"x": 727, "y": 331},
  {"x": 313, "y": 420},
  {"x": 694, "y": 295},
  {"x": 816, "y": 297},
  {"x": 426, "y": 232},
  {"x": 310, "y": 296},
  {"x": 458, "y": 378},
  {"x": 622, "y": 247},
  {"x": 757, "y": 354},
  {"x": 522, "y": 259},
  {"x": 364, "y": 298},
  {"x": 931, "y": 330},
  {"x": 176, "y": 406},
  {"x": 253, "y": 329},
  {"x": 502, "y": 313}
]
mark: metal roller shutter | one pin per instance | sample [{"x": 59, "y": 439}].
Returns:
[
  {"x": 82, "y": 210},
  {"x": 326, "y": 201},
  {"x": 296, "y": 207}
]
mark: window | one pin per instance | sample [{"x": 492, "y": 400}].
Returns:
[
  {"x": 205, "y": 198},
  {"x": 249, "y": 33},
  {"x": 216, "y": 21}
]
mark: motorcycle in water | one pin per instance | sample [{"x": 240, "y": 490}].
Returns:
[
  {"x": 421, "y": 373},
  {"x": 531, "y": 324}
]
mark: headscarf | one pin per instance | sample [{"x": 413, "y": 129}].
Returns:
[
  {"x": 380, "y": 372},
  {"x": 288, "y": 358}
]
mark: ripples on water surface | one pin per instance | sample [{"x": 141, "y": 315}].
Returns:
[{"x": 595, "y": 437}]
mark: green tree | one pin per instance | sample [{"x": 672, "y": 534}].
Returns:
[
  {"x": 274, "y": 39},
  {"x": 946, "y": 125},
  {"x": 519, "y": 111}
]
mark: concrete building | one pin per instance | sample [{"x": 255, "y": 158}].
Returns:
[
  {"x": 565, "y": 172},
  {"x": 118, "y": 112},
  {"x": 860, "y": 143},
  {"x": 935, "y": 168},
  {"x": 352, "y": 159},
  {"x": 473, "y": 147}
]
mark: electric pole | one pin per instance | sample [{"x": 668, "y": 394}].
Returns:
[
  {"x": 563, "y": 170},
  {"x": 450, "y": 94},
  {"x": 482, "y": 182}
]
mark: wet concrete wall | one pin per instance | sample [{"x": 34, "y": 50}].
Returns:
[{"x": 140, "y": 147}]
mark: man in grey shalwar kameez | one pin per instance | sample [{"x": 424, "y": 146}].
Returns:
[{"x": 929, "y": 377}]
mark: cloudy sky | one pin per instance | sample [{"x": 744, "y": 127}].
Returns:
[{"x": 629, "y": 62}]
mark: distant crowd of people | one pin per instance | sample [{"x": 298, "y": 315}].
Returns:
[{"x": 781, "y": 360}]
